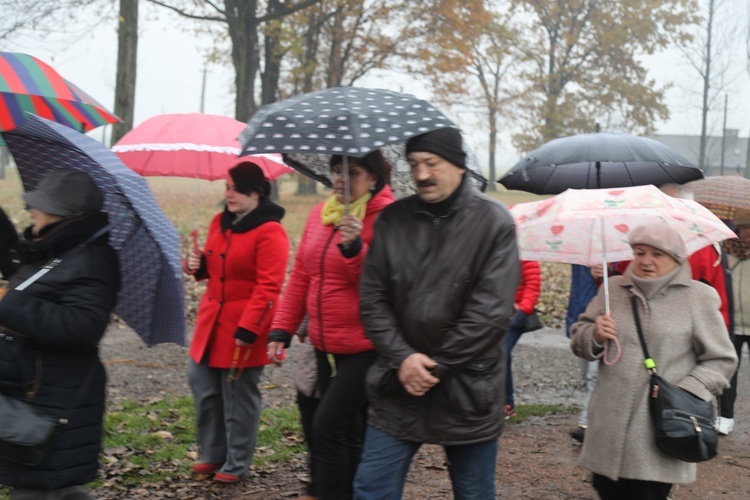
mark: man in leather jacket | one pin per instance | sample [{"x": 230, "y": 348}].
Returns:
[{"x": 436, "y": 293}]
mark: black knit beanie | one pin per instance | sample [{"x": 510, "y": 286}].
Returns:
[
  {"x": 444, "y": 142},
  {"x": 248, "y": 178}
]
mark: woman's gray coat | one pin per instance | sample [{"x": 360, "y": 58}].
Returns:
[{"x": 686, "y": 337}]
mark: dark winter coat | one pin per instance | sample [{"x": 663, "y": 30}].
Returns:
[
  {"x": 59, "y": 321},
  {"x": 8, "y": 238},
  {"x": 442, "y": 286},
  {"x": 325, "y": 284},
  {"x": 245, "y": 264}
]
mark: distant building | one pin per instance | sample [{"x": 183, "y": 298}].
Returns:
[{"x": 735, "y": 151}]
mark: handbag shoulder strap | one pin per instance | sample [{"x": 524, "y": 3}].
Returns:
[{"x": 650, "y": 364}]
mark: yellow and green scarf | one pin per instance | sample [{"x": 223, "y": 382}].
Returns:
[{"x": 334, "y": 210}]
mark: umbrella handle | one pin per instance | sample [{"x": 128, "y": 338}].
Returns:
[{"x": 194, "y": 237}]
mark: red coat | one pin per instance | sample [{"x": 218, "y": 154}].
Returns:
[
  {"x": 531, "y": 283},
  {"x": 245, "y": 269},
  {"x": 325, "y": 284}
]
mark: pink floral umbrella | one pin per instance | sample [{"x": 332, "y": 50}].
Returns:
[{"x": 591, "y": 226}]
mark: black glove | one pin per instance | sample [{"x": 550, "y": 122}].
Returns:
[
  {"x": 518, "y": 321},
  {"x": 280, "y": 336}
]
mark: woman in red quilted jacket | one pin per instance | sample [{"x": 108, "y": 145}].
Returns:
[
  {"x": 325, "y": 284},
  {"x": 526, "y": 298},
  {"x": 244, "y": 261}
]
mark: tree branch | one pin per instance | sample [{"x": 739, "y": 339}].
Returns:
[{"x": 184, "y": 13}]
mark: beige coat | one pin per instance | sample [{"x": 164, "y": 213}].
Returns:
[
  {"x": 741, "y": 289},
  {"x": 686, "y": 337}
]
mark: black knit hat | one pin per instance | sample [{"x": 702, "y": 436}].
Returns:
[
  {"x": 444, "y": 142},
  {"x": 248, "y": 178}
]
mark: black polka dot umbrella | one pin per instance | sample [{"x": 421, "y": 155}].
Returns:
[{"x": 349, "y": 121}]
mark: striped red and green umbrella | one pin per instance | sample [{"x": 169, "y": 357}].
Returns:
[{"x": 28, "y": 84}]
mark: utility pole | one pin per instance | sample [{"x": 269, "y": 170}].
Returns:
[
  {"x": 724, "y": 132},
  {"x": 203, "y": 90}
]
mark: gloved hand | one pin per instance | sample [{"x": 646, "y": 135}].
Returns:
[{"x": 518, "y": 321}]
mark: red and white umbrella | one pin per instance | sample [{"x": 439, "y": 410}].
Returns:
[{"x": 191, "y": 145}]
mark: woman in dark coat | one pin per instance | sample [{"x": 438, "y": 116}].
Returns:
[
  {"x": 50, "y": 331},
  {"x": 8, "y": 238}
]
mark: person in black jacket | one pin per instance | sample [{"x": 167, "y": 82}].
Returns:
[
  {"x": 436, "y": 292},
  {"x": 8, "y": 238},
  {"x": 50, "y": 331}
]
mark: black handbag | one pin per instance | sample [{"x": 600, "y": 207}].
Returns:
[
  {"x": 684, "y": 423},
  {"x": 27, "y": 434},
  {"x": 533, "y": 322}
]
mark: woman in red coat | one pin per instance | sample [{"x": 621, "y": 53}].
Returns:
[
  {"x": 244, "y": 261},
  {"x": 325, "y": 285}
]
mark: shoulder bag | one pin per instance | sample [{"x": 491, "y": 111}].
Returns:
[{"x": 684, "y": 423}]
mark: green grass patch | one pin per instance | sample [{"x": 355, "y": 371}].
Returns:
[
  {"x": 525, "y": 411},
  {"x": 151, "y": 441}
]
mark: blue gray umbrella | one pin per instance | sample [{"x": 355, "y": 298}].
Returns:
[
  {"x": 599, "y": 160},
  {"x": 151, "y": 298}
]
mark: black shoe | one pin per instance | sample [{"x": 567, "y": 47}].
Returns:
[{"x": 578, "y": 433}]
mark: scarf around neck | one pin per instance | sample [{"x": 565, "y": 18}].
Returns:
[
  {"x": 737, "y": 248},
  {"x": 650, "y": 287},
  {"x": 333, "y": 210}
]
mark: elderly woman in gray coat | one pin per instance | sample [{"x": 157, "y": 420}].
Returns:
[{"x": 686, "y": 337}]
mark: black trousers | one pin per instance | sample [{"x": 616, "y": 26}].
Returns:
[
  {"x": 630, "y": 489},
  {"x": 729, "y": 396},
  {"x": 339, "y": 422},
  {"x": 307, "y": 407}
]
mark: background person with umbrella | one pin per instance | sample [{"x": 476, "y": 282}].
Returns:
[
  {"x": 52, "y": 327},
  {"x": 325, "y": 284},
  {"x": 685, "y": 334},
  {"x": 244, "y": 261},
  {"x": 595, "y": 161}
]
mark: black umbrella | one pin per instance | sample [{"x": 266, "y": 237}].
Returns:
[
  {"x": 348, "y": 121},
  {"x": 599, "y": 160}
]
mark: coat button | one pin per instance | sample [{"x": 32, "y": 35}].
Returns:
[{"x": 222, "y": 256}]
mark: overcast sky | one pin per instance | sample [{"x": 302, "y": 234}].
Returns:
[{"x": 170, "y": 74}]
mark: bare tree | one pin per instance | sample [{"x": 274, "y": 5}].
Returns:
[
  {"x": 707, "y": 56},
  {"x": 242, "y": 22}
]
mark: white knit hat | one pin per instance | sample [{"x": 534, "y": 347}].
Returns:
[{"x": 661, "y": 235}]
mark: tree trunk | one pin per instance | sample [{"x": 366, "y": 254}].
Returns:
[
  {"x": 335, "y": 59},
  {"x": 243, "y": 32},
  {"x": 306, "y": 185},
  {"x": 491, "y": 185},
  {"x": 127, "y": 58},
  {"x": 273, "y": 57},
  {"x": 706, "y": 88}
]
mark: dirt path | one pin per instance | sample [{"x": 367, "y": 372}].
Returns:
[{"x": 537, "y": 458}]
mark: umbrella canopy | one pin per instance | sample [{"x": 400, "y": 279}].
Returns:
[
  {"x": 29, "y": 85},
  {"x": 722, "y": 194},
  {"x": 591, "y": 226},
  {"x": 151, "y": 297},
  {"x": 348, "y": 121},
  {"x": 190, "y": 145},
  {"x": 599, "y": 160}
]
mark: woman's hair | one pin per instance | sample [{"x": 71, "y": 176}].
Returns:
[
  {"x": 374, "y": 163},
  {"x": 248, "y": 178}
]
